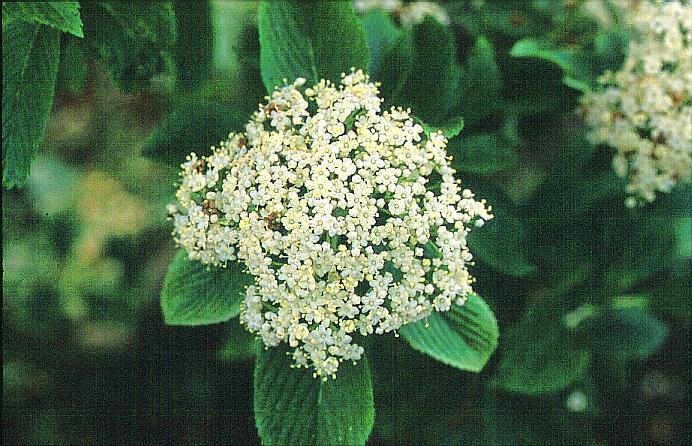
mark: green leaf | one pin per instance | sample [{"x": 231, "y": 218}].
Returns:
[
  {"x": 313, "y": 40},
  {"x": 628, "y": 333},
  {"x": 502, "y": 242},
  {"x": 293, "y": 408},
  {"x": 575, "y": 65},
  {"x": 30, "y": 54},
  {"x": 482, "y": 153},
  {"x": 435, "y": 75},
  {"x": 480, "y": 86},
  {"x": 133, "y": 38},
  {"x": 241, "y": 344},
  {"x": 532, "y": 48},
  {"x": 63, "y": 16},
  {"x": 540, "y": 355},
  {"x": 196, "y": 294},
  {"x": 449, "y": 129},
  {"x": 192, "y": 126},
  {"x": 286, "y": 51},
  {"x": 391, "y": 53},
  {"x": 72, "y": 70},
  {"x": 337, "y": 38},
  {"x": 464, "y": 337}
]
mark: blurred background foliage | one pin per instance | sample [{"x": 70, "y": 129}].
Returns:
[{"x": 592, "y": 297}]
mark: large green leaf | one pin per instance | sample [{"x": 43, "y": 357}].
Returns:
[
  {"x": 195, "y": 294},
  {"x": 482, "y": 153},
  {"x": 312, "y": 40},
  {"x": 72, "y": 70},
  {"x": 391, "y": 53},
  {"x": 286, "y": 51},
  {"x": 480, "y": 84},
  {"x": 435, "y": 74},
  {"x": 133, "y": 38},
  {"x": 540, "y": 355},
  {"x": 30, "y": 55},
  {"x": 293, "y": 408},
  {"x": 191, "y": 126},
  {"x": 463, "y": 337},
  {"x": 63, "y": 16}
]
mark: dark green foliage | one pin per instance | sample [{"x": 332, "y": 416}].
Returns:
[
  {"x": 30, "y": 54},
  {"x": 391, "y": 53},
  {"x": 577, "y": 74},
  {"x": 626, "y": 333},
  {"x": 132, "y": 38},
  {"x": 192, "y": 126},
  {"x": 479, "y": 90},
  {"x": 312, "y": 40},
  {"x": 293, "y": 408},
  {"x": 196, "y": 294},
  {"x": 482, "y": 153},
  {"x": 193, "y": 51},
  {"x": 502, "y": 242},
  {"x": 241, "y": 345},
  {"x": 540, "y": 355},
  {"x": 435, "y": 74},
  {"x": 72, "y": 70}
]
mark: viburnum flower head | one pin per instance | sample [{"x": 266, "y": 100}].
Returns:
[
  {"x": 644, "y": 110},
  {"x": 348, "y": 217}
]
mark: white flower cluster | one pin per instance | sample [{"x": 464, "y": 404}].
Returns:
[
  {"x": 348, "y": 217},
  {"x": 645, "y": 109},
  {"x": 409, "y": 14}
]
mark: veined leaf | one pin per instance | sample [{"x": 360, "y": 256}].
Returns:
[
  {"x": 63, "y": 16},
  {"x": 285, "y": 50},
  {"x": 293, "y": 408},
  {"x": 30, "y": 55},
  {"x": 464, "y": 337},
  {"x": 196, "y": 294},
  {"x": 241, "y": 344},
  {"x": 312, "y": 40},
  {"x": 72, "y": 69}
]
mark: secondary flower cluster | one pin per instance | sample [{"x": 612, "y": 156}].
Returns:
[
  {"x": 644, "y": 109},
  {"x": 348, "y": 217}
]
